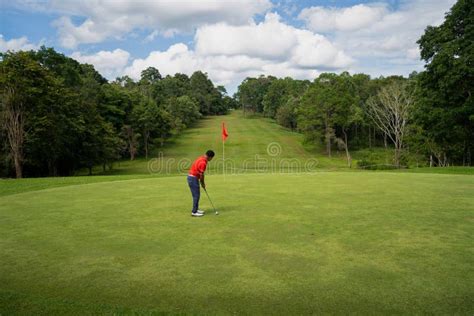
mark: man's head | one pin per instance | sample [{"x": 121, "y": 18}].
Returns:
[{"x": 210, "y": 154}]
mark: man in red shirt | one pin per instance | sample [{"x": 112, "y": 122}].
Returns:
[{"x": 196, "y": 175}]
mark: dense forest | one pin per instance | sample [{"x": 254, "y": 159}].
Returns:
[{"x": 58, "y": 115}]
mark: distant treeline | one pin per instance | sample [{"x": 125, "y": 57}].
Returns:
[
  {"x": 58, "y": 115},
  {"x": 429, "y": 114}
]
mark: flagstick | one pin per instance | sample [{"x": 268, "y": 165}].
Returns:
[{"x": 223, "y": 158}]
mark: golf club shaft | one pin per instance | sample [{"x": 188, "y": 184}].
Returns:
[{"x": 210, "y": 199}]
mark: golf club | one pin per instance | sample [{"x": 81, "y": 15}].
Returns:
[{"x": 217, "y": 213}]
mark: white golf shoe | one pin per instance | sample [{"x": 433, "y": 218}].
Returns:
[
  {"x": 197, "y": 214},
  {"x": 201, "y": 212}
]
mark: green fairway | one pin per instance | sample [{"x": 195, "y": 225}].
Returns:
[
  {"x": 255, "y": 144},
  {"x": 366, "y": 243}
]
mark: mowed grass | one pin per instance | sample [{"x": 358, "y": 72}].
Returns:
[
  {"x": 255, "y": 144},
  {"x": 284, "y": 243},
  {"x": 325, "y": 242}
]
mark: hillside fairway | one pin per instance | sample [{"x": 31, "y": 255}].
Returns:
[
  {"x": 251, "y": 139},
  {"x": 324, "y": 242}
]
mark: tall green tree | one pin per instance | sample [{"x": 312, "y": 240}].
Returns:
[
  {"x": 171, "y": 86},
  {"x": 116, "y": 104},
  {"x": 445, "y": 109},
  {"x": 364, "y": 128},
  {"x": 183, "y": 110},
  {"x": 325, "y": 105},
  {"x": 287, "y": 114},
  {"x": 29, "y": 95},
  {"x": 251, "y": 92},
  {"x": 153, "y": 121},
  {"x": 201, "y": 90},
  {"x": 150, "y": 76},
  {"x": 99, "y": 140},
  {"x": 278, "y": 93}
]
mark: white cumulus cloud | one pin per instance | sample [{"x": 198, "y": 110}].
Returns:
[
  {"x": 110, "y": 64},
  {"x": 178, "y": 58},
  {"x": 324, "y": 19},
  {"x": 17, "y": 44},
  {"x": 105, "y": 19},
  {"x": 230, "y": 53},
  {"x": 271, "y": 40},
  {"x": 380, "y": 39}
]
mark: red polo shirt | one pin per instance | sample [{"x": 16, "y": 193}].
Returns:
[{"x": 198, "y": 167}]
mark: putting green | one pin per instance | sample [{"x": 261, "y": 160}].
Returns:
[{"x": 333, "y": 242}]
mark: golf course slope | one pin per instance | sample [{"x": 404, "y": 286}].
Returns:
[{"x": 322, "y": 242}]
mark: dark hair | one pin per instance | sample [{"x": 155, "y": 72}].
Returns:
[{"x": 210, "y": 153}]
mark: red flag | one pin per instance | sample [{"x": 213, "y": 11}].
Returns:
[{"x": 224, "y": 132}]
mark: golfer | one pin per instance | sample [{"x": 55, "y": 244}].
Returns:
[{"x": 196, "y": 175}]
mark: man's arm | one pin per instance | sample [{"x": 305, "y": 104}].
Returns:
[
  {"x": 202, "y": 167},
  {"x": 203, "y": 184}
]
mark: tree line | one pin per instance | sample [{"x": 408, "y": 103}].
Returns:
[
  {"x": 429, "y": 113},
  {"x": 58, "y": 115}
]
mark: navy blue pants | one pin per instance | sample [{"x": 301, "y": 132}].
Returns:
[{"x": 193, "y": 183}]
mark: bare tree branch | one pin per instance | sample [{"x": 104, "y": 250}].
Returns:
[{"x": 390, "y": 111}]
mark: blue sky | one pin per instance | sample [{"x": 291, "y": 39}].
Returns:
[{"x": 229, "y": 40}]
